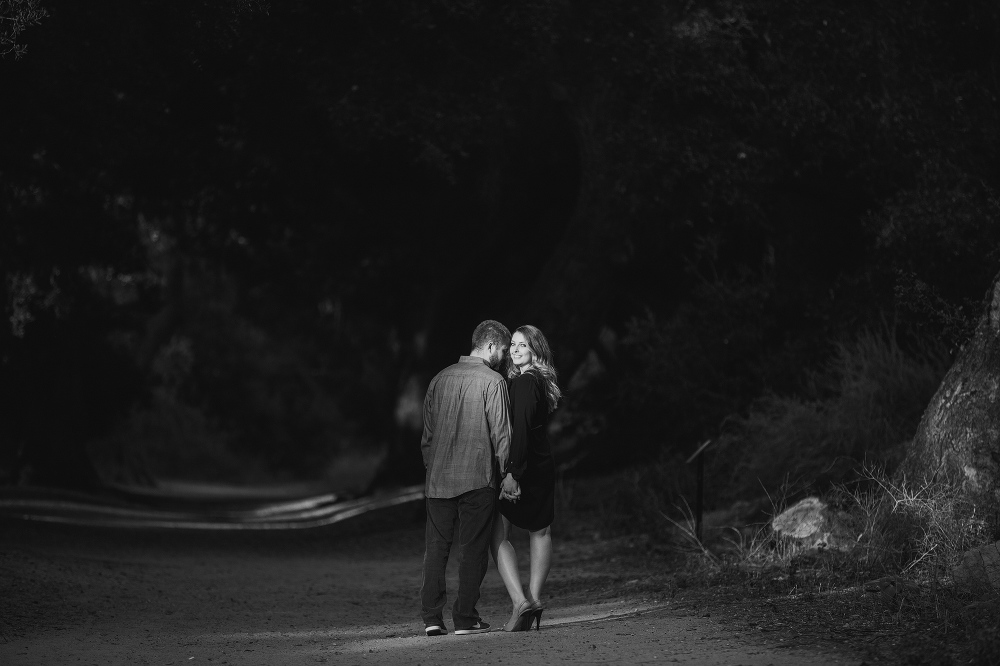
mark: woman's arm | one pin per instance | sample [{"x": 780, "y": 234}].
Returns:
[{"x": 523, "y": 403}]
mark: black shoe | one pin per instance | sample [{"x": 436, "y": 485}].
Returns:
[
  {"x": 436, "y": 630},
  {"x": 522, "y": 617},
  {"x": 478, "y": 628},
  {"x": 537, "y": 608}
]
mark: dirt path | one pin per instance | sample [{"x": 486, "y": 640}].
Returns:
[{"x": 341, "y": 596}]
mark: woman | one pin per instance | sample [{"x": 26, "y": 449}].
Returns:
[{"x": 534, "y": 394}]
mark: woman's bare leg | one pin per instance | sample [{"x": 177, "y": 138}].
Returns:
[
  {"x": 506, "y": 559},
  {"x": 541, "y": 561}
]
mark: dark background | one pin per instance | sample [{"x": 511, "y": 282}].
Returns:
[{"x": 239, "y": 237}]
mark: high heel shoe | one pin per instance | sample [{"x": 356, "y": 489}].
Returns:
[
  {"x": 522, "y": 617},
  {"x": 536, "y": 615}
]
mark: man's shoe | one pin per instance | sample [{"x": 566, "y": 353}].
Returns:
[
  {"x": 478, "y": 628},
  {"x": 436, "y": 630}
]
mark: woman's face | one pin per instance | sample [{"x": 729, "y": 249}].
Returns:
[{"x": 520, "y": 352}]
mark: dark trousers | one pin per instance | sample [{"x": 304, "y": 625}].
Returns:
[{"x": 473, "y": 513}]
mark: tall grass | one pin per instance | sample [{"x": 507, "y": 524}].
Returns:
[
  {"x": 921, "y": 528},
  {"x": 864, "y": 410}
]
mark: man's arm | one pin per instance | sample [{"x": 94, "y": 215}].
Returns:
[
  {"x": 428, "y": 435},
  {"x": 498, "y": 419}
]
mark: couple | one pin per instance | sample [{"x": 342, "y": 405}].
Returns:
[{"x": 480, "y": 427}]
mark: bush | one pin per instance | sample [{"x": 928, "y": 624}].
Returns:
[
  {"x": 636, "y": 499},
  {"x": 866, "y": 409},
  {"x": 925, "y": 527},
  {"x": 697, "y": 364},
  {"x": 169, "y": 439}
]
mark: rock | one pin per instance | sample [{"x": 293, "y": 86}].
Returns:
[
  {"x": 801, "y": 520},
  {"x": 895, "y": 590},
  {"x": 811, "y": 525},
  {"x": 979, "y": 569}
]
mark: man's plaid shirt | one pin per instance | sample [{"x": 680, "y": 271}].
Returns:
[{"x": 466, "y": 427}]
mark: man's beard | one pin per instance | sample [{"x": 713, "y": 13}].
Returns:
[{"x": 496, "y": 361}]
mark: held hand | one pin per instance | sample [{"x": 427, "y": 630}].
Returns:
[{"x": 511, "y": 488}]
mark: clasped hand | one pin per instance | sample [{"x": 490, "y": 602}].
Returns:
[{"x": 511, "y": 489}]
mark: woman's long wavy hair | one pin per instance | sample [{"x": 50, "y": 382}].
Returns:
[{"x": 541, "y": 363}]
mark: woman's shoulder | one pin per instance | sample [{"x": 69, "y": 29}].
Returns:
[
  {"x": 529, "y": 379},
  {"x": 528, "y": 375}
]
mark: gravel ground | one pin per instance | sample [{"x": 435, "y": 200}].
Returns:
[{"x": 346, "y": 594}]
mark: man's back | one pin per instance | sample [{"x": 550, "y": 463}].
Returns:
[{"x": 466, "y": 427}]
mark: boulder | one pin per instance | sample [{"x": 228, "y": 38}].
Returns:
[
  {"x": 801, "y": 520},
  {"x": 812, "y": 525}
]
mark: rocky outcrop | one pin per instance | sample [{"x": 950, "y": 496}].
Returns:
[
  {"x": 979, "y": 569},
  {"x": 958, "y": 439}
]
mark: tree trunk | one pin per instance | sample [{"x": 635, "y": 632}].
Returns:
[
  {"x": 572, "y": 294},
  {"x": 958, "y": 438}
]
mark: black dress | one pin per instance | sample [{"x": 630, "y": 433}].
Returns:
[{"x": 530, "y": 460}]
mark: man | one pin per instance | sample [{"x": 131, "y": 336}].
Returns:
[{"x": 466, "y": 429}]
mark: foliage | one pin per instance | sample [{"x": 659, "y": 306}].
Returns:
[
  {"x": 636, "y": 499},
  {"x": 925, "y": 528},
  {"x": 15, "y": 16},
  {"x": 861, "y": 408},
  {"x": 143, "y": 447},
  {"x": 696, "y": 366},
  {"x": 868, "y": 403},
  {"x": 942, "y": 238},
  {"x": 728, "y": 184}
]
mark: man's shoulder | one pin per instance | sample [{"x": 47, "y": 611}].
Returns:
[{"x": 469, "y": 366}]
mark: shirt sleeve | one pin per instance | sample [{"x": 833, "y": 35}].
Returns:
[
  {"x": 524, "y": 403},
  {"x": 428, "y": 434},
  {"x": 498, "y": 419}
]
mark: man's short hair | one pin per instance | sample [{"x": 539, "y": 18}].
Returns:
[{"x": 490, "y": 331}]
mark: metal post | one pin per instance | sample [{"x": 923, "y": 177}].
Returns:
[
  {"x": 699, "y": 456},
  {"x": 701, "y": 493}
]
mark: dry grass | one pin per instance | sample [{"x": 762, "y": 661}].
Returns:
[
  {"x": 890, "y": 599},
  {"x": 892, "y": 595},
  {"x": 921, "y": 528}
]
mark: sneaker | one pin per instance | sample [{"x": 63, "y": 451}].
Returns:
[
  {"x": 478, "y": 628},
  {"x": 435, "y": 630}
]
